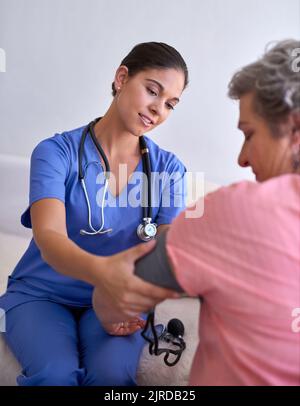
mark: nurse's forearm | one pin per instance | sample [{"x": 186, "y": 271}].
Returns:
[{"x": 66, "y": 257}]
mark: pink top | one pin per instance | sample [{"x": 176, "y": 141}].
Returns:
[{"x": 243, "y": 258}]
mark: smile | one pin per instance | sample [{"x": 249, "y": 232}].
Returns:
[{"x": 146, "y": 120}]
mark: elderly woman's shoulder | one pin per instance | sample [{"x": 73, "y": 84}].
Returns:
[{"x": 284, "y": 188}]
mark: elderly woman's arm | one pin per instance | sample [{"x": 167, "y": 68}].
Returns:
[{"x": 156, "y": 267}]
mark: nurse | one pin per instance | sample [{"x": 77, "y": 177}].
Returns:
[{"x": 51, "y": 326}]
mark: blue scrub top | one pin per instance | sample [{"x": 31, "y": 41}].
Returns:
[{"x": 54, "y": 174}]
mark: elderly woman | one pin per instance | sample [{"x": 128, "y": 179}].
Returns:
[{"x": 242, "y": 258}]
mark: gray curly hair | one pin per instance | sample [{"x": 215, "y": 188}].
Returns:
[{"x": 275, "y": 81}]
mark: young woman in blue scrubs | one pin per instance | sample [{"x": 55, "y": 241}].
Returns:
[{"x": 51, "y": 326}]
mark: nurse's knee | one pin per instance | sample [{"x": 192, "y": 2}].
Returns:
[
  {"x": 53, "y": 374},
  {"x": 110, "y": 376}
]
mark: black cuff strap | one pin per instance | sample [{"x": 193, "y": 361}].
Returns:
[{"x": 155, "y": 267}]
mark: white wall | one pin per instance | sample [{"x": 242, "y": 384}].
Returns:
[{"x": 61, "y": 56}]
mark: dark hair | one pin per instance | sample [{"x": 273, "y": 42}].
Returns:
[{"x": 153, "y": 55}]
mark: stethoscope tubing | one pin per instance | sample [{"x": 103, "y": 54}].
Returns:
[{"x": 147, "y": 209}]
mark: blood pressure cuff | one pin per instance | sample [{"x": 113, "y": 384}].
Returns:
[{"x": 155, "y": 267}]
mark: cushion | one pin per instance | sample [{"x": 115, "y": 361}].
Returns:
[{"x": 12, "y": 248}]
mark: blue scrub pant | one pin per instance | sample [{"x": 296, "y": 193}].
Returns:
[{"x": 59, "y": 345}]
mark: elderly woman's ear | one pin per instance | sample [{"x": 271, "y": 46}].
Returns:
[
  {"x": 295, "y": 117},
  {"x": 295, "y": 130},
  {"x": 294, "y": 123}
]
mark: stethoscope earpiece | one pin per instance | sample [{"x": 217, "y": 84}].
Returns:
[{"x": 83, "y": 232}]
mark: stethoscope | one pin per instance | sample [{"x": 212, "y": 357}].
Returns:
[{"x": 147, "y": 230}]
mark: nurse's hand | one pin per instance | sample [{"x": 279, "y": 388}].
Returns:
[
  {"x": 119, "y": 294},
  {"x": 124, "y": 328}
]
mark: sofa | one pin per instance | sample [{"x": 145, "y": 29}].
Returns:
[{"x": 14, "y": 240}]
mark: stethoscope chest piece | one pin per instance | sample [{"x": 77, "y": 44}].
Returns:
[{"x": 147, "y": 231}]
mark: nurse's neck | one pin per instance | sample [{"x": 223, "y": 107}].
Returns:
[{"x": 114, "y": 139}]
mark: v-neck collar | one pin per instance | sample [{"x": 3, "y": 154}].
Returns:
[{"x": 94, "y": 154}]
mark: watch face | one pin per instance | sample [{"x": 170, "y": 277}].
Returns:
[{"x": 150, "y": 230}]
